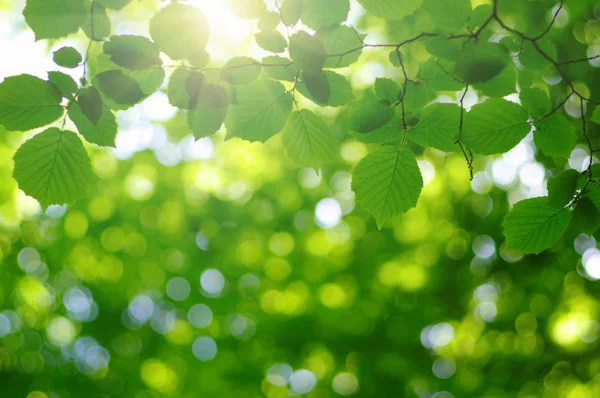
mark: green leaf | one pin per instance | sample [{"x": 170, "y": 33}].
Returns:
[
  {"x": 586, "y": 217},
  {"x": 209, "y": 112},
  {"x": 53, "y": 167},
  {"x": 113, "y": 4},
  {"x": 594, "y": 196},
  {"x": 501, "y": 85},
  {"x": 308, "y": 140},
  {"x": 596, "y": 115},
  {"x": 287, "y": 71},
  {"x": 119, "y": 87},
  {"x": 272, "y": 41},
  {"x": 261, "y": 112},
  {"x": 417, "y": 96},
  {"x": 150, "y": 80},
  {"x": 436, "y": 74},
  {"x": 185, "y": 87},
  {"x": 90, "y": 101},
  {"x": 67, "y": 57},
  {"x": 64, "y": 83},
  {"x": 555, "y": 136},
  {"x": 391, "y": 132},
  {"x": 387, "y": 182},
  {"x": 27, "y": 102},
  {"x": 269, "y": 21},
  {"x": 147, "y": 81},
  {"x": 343, "y": 45},
  {"x": 438, "y": 127},
  {"x": 365, "y": 116},
  {"x": 387, "y": 89},
  {"x": 50, "y": 19},
  {"x": 481, "y": 62},
  {"x": 318, "y": 13},
  {"x": 561, "y": 188},
  {"x": 535, "y": 101},
  {"x": 449, "y": 15},
  {"x": 96, "y": 19},
  {"x": 307, "y": 51},
  {"x": 241, "y": 70},
  {"x": 340, "y": 90},
  {"x": 102, "y": 133},
  {"x": 494, "y": 126},
  {"x": 531, "y": 58},
  {"x": 179, "y": 30},
  {"x": 444, "y": 48},
  {"x": 291, "y": 10},
  {"x": 480, "y": 14},
  {"x": 132, "y": 52},
  {"x": 510, "y": 43},
  {"x": 317, "y": 85},
  {"x": 391, "y": 9},
  {"x": 533, "y": 226},
  {"x": 247, "y": 9},
  {"x": 199, "y": 59}
]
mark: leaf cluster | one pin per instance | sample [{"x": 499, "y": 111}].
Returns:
[{"x": 437, "y": 49}]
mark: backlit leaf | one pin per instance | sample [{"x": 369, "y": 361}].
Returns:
[
  {"x": 113, "y": 4},
  {"x": 262, "y": 109},
  {"x": 119, "y": 87},
  {"x": 27, "y": 102},
  {"x": 343, "y": 45},
  {"x": 280, "y": 68},
  {"x": 317, "y": 85},
  {"x": 51, "y": 19},
  {"x": 185, "y": 87},
  {"x": 90, "y": 101},
  {"x": 494, "y": 126},
  {"x": 535, "y": 101},
  {"x": 481, "y": 62},
  {"x": 67, "y": 57},
  {"x": 366, "y": 115},
  {"x": 271, "y": 41},
  {"x": 438, "y": 127},
  {"x": 96, "y": 23},
  {"x": 596, "y": 115},
  {"x": 561, "y": 188},
  {"x": 291, "y": 10},
  {"x": 555, "y": 136},
  {"x": 64, "y": 83},
  {"x": 53, "y": 167},
  {"x": 448, "y": 14},
  {"x": 241, "y": 70},
  {"x": 387, "y": 182},
  {"x": 307, "y": 51},
  {"x": 132, "y": 52},
  {"x": 501, "y": 85},
  {"x": 179, "y": 30},
  {"x": 308, "y": 140},
  {"x": 387, "y": 89},
  {"x": 391, "y": 9},
  {"x": 209, "y": 111},
  {"x": 533, "y": 225},
  {"x": 340, "y": 90},
  {"x": 102, "y": 133},
  {"x": 318, "y": 13},
  {"x": 586, "y": 217}
]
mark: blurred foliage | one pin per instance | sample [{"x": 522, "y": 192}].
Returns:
[{"x": 219, "y": 269}]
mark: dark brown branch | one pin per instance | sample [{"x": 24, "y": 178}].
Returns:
[
  {"x": 560, "y": 7},
  {"x": 469, "y": 157},
  {"x": 578, "y": 60}
]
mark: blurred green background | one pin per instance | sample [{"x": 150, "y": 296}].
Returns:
[{"x": 218, "y": 269}]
